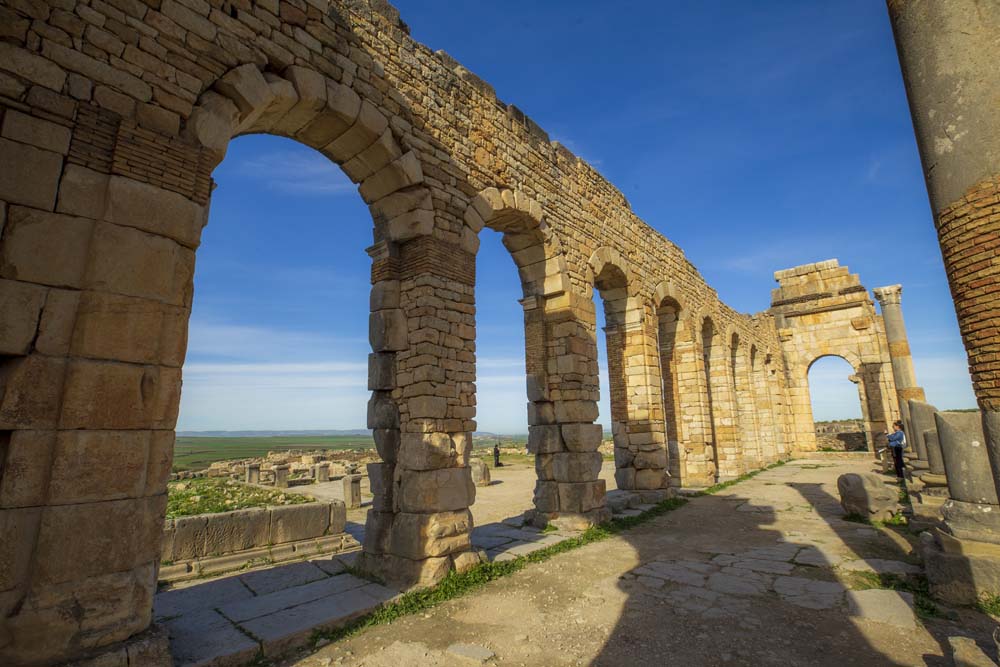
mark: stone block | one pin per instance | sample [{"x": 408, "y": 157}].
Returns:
[
  {"x": 387, "y": 442},
  {"x": 20, "y": 314},
  {"x": 382, "y": 412},
  {"x": 380, "y": 480},
  {"x": 213, "y": 122},
  {"x": 338, "y": 517},
  {"x": 966, "y": 463},
  {"x": 378, "y": 529},
  {"x": 582, "y": 437},
  {"x": 405, "y": 573},
  {"x": 36, "y": 132},
  {"x": 35, "y": 181},
  {"x": 26, "y": 467},
  {"x": 381, "y": 371},
  {"x": 155, "y": 210},
  {"x": 90, "y": 466},
  {"x": 445, "y": 490},
  {"x": 575, "y": 411},
  {"x": 387, "y": 331},
  {"x": 227, "y": 532},
  {"x": 428, "y": 407},
  {"x": 651, "y": 459},
  {"x": 650, "y": 478},
  {"x": 298, "y": 522},
  {"x": 625, "y": 477},
  {"x": 966, "y": 653},
  {"x": 30, "y": 389},
  {"x": 429, "y": 451},
  {"x": 45, "y": 248},
  {"x": 885, "y": 606},
  {"x": 867, "y": 495},
  {"x": 480, "y": 472},
  {"x": 972, "y": 521},
  {"x": 107, "y": 395},
  {"x": 581, "y": 496},
  {"x": 19, "y": 528},
  {"x": 248, "y": 90},
  {"x": 419, "y": 536},
  {"x": 32, "y": 67},
  {"x": 543, "y": 467},
  {"x": 128, "y": 261},
  {"x": 384, "y": 295},
  {"x": 55, "y": 330},
  {"x": 189, "y": 538},
  {"x": 576, "y": 467},
  {"x": 111, "y": 326},
  {"x": 544, "y": 439},
  {"x": 310, "y": 90},
  {"x": 109, "y": 536},
  {"x": 352, "y": 491},
  {"x": 398, "y": 174}
]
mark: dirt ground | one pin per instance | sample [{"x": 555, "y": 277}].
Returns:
[{"x": 755, "y": 575}]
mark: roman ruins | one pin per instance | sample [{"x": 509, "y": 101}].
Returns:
[{"x": 114, "y": 115}]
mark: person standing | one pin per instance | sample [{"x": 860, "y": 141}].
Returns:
[{"x": 897, "y": 441}]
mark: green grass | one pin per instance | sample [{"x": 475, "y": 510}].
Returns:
[
  {"x": 213, "y": 494},
  {"x": 715, "y": 488}
]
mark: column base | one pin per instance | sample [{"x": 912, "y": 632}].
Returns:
[
  {"x": 960, "y": 571},
  {"x": 150, "y": 648},
  {"x": 568, "y": 520}
]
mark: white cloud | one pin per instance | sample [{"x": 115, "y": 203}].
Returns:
[
  {"x": 297, "y": 172},
  {"x": 263, "y": 344}
]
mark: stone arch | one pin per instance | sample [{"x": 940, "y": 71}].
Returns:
[
  {"x": 562, "y": 435},
  {"x": 305, "y": 105},
  {"x": 672, "y": 343},
  {"x": 709, "y": 362},
  {"x": 866, "y": 378},
  {"x": 536, "y": 251}
]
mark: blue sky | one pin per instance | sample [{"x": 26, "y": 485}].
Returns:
[{"x": 756, "y": 136}]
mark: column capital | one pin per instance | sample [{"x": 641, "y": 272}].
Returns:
[{"x": 890, "y": 294}]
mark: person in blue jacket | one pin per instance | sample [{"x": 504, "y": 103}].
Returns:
[{"x": 897, "y": 441}]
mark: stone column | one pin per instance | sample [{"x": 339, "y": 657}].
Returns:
[
  {"x": 560, "y": 336},
  {"x": 948, "y": 52},
  {"x": 889, "y": 298},
  {"x": 253, "y": 473},
  {"x": 281, "y": 476},
  {"x": 352, "y": 491}
]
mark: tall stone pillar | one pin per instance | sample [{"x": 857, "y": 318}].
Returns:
[
  {"x": 948, "y": 52},
  {"x": 890, "y": 299}
]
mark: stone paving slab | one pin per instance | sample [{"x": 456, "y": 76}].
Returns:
[
  {"x": 293, "y": 627},
  {"x": 206, "y": 638},
  {"x": 206, "y": 595},
  {"x": 245, "y": 610},
  {"x": 884, "y": 606},
  {"x": 274, "y": 579},
  {"x": 879, "y": 566}
]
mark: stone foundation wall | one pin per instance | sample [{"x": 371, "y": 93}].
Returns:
[{"x": 201, "y": 535}]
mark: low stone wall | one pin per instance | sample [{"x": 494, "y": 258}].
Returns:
[
  {"x": 851, "y": 441},
  {"x": 190, "y": 540}
]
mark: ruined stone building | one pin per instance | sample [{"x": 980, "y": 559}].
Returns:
[{"x": 113, "y": 116}]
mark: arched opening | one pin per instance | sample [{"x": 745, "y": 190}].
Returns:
[
  {"x": 708, "y": 343},
  {"x": 836, "y": 394},
  {"x": 762, "y": 407},
  {"x": 668, "y": 319}
]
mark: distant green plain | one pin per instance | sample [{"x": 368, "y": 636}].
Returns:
[{"x": 196, "y": 453}]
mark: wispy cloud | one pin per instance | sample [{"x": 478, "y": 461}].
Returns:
[
  {"x": 297, "y": 172},
  {"x": 248, "y": 343}
]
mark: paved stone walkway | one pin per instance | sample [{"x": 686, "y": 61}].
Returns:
[{"x": 764, "y": 573}]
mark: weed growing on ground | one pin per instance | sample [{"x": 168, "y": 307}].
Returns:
[
  {"x": 549, "y": 528},
  {"x": 989, "y": 604}
]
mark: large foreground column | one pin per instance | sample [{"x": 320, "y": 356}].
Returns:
[{"x": 948, "y": 51}]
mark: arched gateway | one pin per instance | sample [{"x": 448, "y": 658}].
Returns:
[{"x": 113, "y": 118}]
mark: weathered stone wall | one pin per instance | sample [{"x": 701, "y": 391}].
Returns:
[{"x": 114, "y": 115}]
